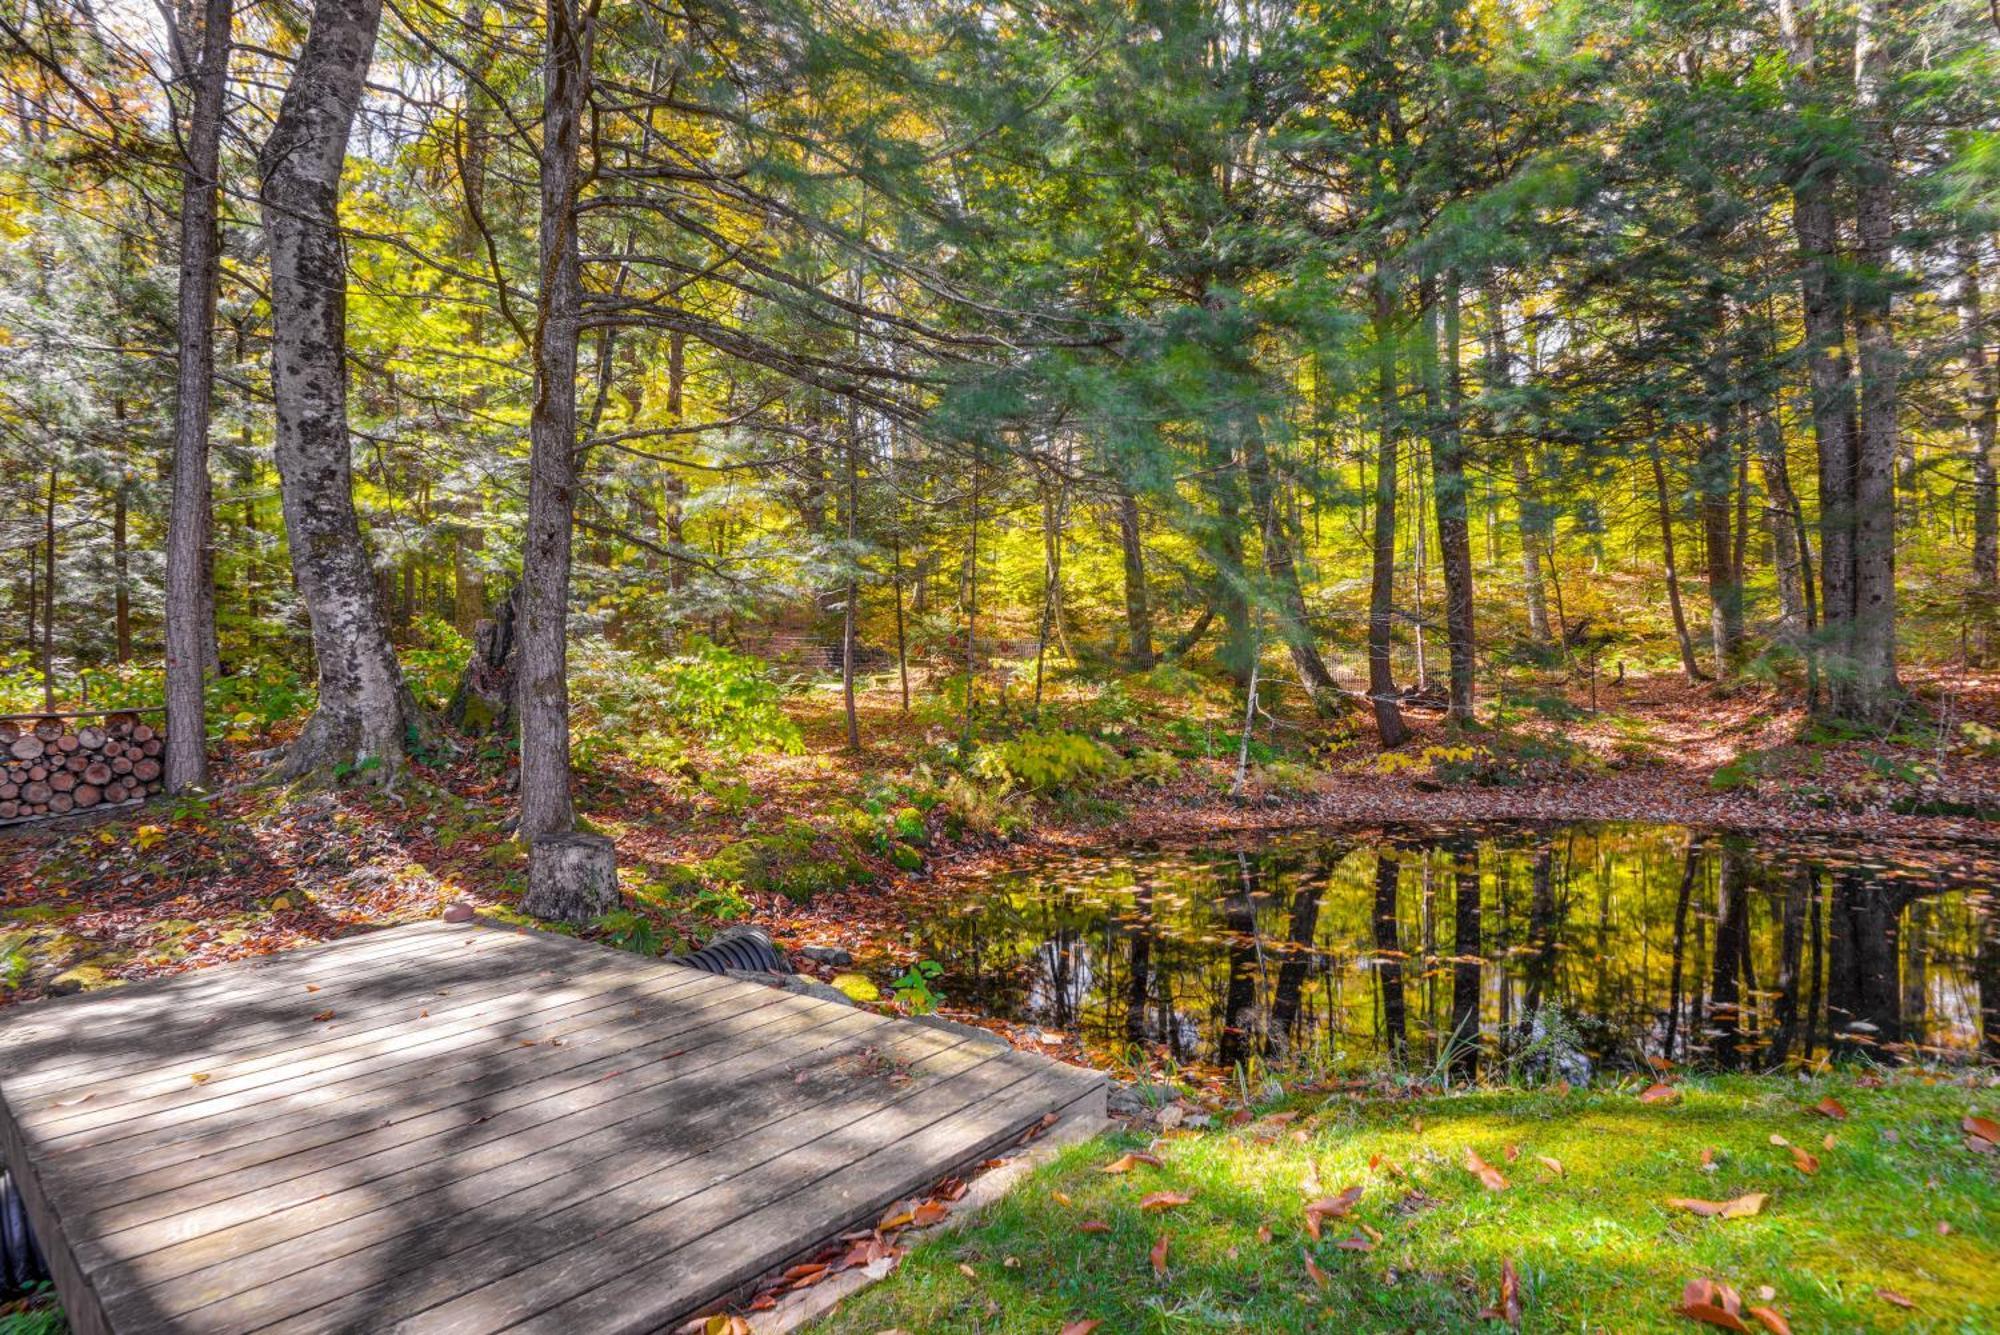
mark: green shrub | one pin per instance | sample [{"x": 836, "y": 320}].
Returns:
[
  {"x": 1047, "y": 762},
  {"x": 797, "y": 861},
  {"x": 649, "y": 710}
]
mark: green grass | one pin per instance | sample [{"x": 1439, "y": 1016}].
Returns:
[{"x": 1596, "y": 1249}]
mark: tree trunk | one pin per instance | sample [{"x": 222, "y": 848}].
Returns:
[
  {"x": 552, "y": 458},
  {"x": 49, "y": 595},
  {"x": 1138, "y": 605},
  {"x": 1527, "y": 499},
  {"x": 363, "y": 708},
  {"x": 1283, "y": 571},
  {"x": 1688, "y": 664},
  {"x": 189, "y": 611},
  {"x": 1382, "y": 583},
  {"x": 1981, "y": 393},
  {"x": 1447, "y": 440},
  {"x": 1712, "y": 482},
  {"x": 572, "y": 878},
  {"x": 1868, "y": 690}
]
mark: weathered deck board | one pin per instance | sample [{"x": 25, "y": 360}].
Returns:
[{"x": 494, "y": 1129}]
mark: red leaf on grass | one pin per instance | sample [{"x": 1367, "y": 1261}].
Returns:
[
  {"x": 1769, "y": 1319},
  {"x": 1659, "y": 1094},
  {"x": 1982, "y": 1128},
  {"x": 1081, "y": 1327},
  {"x": 1489, "y": 1177},
  {"x": 1314, "y": 1273},
  {"x": 1164, "y": 1200},
  {"x": 1508, "y": 1307},
  {"x": 1158, "y": 1256},
  {"x": 1125, "y": 1163},
  {"x": 1895, "y": 1299},
  {"x": 1093, "y": 1226},
  {"x": 1830, "y": 1107},
  {"x": 1804, "y": 1162}
]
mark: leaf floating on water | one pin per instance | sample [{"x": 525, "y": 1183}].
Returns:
[
  {"x": 1508, "y": 1306},
  {"x": 1158, "y": 1256},
  {"x": 1165, "y": 1200},
  {"x": 1659, "y": 1094},
  {"x": 1489, "y": 1177},
  {"x": 1830, "y": 1107},
  {"x": 1125, "y": 1163}
]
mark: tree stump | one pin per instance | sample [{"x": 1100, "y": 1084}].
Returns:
[{"x": 572, "y": 878}]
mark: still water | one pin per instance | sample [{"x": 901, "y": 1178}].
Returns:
[{"x": 1611, "y": 945}]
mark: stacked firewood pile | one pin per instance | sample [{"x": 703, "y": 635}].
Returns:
[{"x": 55, "y": 764}]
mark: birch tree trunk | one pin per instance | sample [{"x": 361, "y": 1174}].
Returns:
[
  {"x": 363, "y": 706},
  {"x": 188, "y": 520},
  {"x": 552, "y": 457}
]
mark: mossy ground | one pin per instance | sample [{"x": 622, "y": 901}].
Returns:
[{"x": 1597, "y": 1248}]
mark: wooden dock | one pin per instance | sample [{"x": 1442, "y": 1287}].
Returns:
[{"x": 470, "y": 1128}]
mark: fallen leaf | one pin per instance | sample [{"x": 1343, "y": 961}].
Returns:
[
  {"x": 1093, "y": 1226},
  {"x": 1060, "y": 1197},
  {"x": 1313, "y": 1271},
  {"x": 1713, "y": 1316},
  {"x": 323, "y": 1017},
  {"x": 1985, "y": 1128},
  {"x": 1164, "y": 1200},
  {"x": 1081, "y": 1327},
  {"x": 1830, "y": 1107},
  {"x": 1553, "y": 1165},
  {"x": 1264, "y": 1233},
  {"x": 1356, "y": 1243},
  {"x": 1707, "y": 1157},
  {"x": 200, "y": 1077},
  {"x": 1714, "y": 1304},
  {"x": 1489, "y": 1177},
  {"x": 1159, "y": 1257},
  {"x": 1742, "y": 1207},
  {"x": 1805, "y": 1163},
  {"x": 1333, "y": 1207},
  {"x": 1508, "y": 1307},
  {"x": 1659, "y": 1094},
  {"x": 1513, "y": 1153},
  {"x": 1943, "y": 1229},
  {"x": 1895, "y": 1299},
  {"x": 1769, "y": 1319},
  {"x": 930, "y": 1212},
  {"x": 1125, "y": 1163},
  {"x": 1827, "y": 1143}
]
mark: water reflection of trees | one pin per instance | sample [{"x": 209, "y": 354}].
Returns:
[{"x": 1649, "y": 942}]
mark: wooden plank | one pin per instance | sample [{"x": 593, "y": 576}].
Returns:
[
  {"x": 701, "y": 1265},
  {"x": 79, "y": 1299},
  {"x": 603, "y": 1240},
  {"x": 564, "y": 1120},
  {"x": 506, "y": 1222},
  {"x": 325, "y": 1054},
  {"x": 581, "y": 1059},
  {"x": 417, "y": 1140},
  {"x": 94, "y": 1037}
]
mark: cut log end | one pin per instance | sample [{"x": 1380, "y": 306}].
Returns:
[{"x": 572, "y": 878}]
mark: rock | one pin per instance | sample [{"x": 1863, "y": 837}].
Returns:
[
  {"x": 837, "y": 956},
  {"x": 458, "y": 912},
  {"x": 85, "y": 977},
  {"x": 791, "y": 982},
  {"x": 1139, "y": 1098}
]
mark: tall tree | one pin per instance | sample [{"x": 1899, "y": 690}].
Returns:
[
  {"x": 201, "y": 63},
  {"x": 364, "y": 709}
]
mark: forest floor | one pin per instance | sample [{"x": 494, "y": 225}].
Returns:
[{"x": 127, "y": 894}]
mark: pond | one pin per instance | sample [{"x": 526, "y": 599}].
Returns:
[{"x": 1569, "y": 948}]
